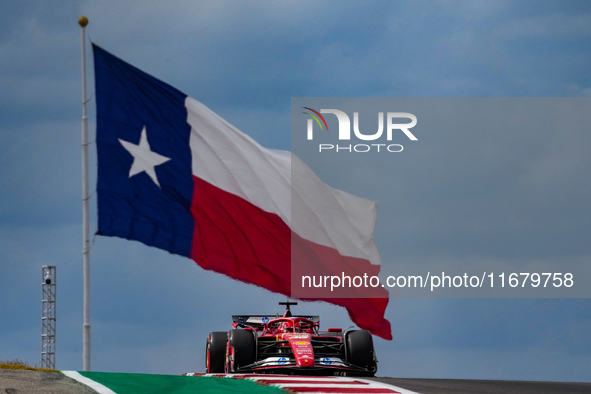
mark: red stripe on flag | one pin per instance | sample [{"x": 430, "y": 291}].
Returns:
[{"x": 238, "y": 239}]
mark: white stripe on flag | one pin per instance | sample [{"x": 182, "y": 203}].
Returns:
[{"x": 278, "y": 182}]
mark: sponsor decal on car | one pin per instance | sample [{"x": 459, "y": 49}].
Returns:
[
  {"x": 299, "y": 336},
  {"x": 331, "y": 361}
]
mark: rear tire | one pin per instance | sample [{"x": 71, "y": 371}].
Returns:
[
  {"x": 241, "y": 350},
  {"x": 215, "y": 351},
  {"x": 360, "y": 350}
]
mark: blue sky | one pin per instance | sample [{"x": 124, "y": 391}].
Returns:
[{"x": 151, "y": 311}]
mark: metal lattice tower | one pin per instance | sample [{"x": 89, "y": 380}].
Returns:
[{"x": 48, "y": 282}]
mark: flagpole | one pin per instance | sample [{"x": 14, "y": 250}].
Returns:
[{"x": 83, "y": 21}]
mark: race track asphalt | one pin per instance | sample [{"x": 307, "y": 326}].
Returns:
[{"x": 455, "y": 386}]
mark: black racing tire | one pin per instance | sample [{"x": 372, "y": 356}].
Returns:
[
  {"x": 360, "y": 351},
  {"x": 243, "y": 343},
  {"x": 215, "y": 351}
]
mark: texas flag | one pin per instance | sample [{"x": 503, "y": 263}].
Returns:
[{"x": 174, "y": 175}]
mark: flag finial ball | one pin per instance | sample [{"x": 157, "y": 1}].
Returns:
[{"x": 83, "y": 21}]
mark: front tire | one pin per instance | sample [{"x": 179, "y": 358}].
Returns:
[
  {"x": 360, "y": 351},
  {"x": 215, "y": 352},
  {"x": 241, "y": 350}
]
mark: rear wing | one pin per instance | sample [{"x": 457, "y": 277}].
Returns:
[{"x": 259, "y": 321}]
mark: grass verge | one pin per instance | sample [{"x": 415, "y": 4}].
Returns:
[{"x": 17, "y": 364}]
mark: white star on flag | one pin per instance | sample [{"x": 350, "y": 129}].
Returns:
[{"x": 144, "y": 159}]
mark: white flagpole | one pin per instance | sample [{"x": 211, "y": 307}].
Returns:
[{"x": 83, "y": 21}]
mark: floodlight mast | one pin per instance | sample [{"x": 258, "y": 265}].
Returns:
[{"x": 48, "y": 316}]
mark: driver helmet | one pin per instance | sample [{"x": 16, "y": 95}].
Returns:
[{"x": 285, "y": 326}]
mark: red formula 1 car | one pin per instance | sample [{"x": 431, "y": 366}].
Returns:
[{"x": 289, "y": 345}]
